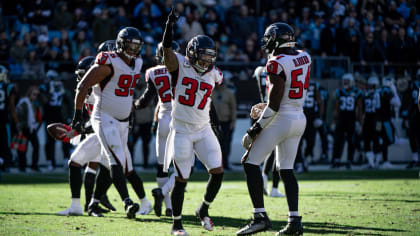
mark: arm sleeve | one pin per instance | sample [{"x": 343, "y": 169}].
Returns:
[{"x": 147, "y": 96}]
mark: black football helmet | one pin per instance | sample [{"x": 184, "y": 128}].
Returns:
[
  {"x": 129, "y": 42},
  {"x": 201, "y": 48},
  {"x": 83, "y": 66},
  {"x": 4, "y": 74},
  {"x": 159, "y": 51},
  {"x": 107, "y": 46},
  {"x": 278, "y": 35}
]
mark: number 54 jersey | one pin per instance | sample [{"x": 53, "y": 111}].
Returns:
[
  {"x": 297, "y": 71},
  {"x": 192, "y": 93},
  {"x": 114, "y": 95}
]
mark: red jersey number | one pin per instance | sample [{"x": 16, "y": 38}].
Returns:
[
  {"x": 193, "y": 86},
  {"x": 298, "y": 86},
  {"x": 163, "y": 81},
  {"x": 126, "y": 85}
]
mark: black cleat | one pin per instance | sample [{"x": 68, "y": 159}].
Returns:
[
  {"x": 258, "y": 224},
  {"x": 106, "y": 203},
  {"x": 131, "y": 209},
  {"x": 168, "y": 212},
  {"x": 102, "y": 209},
  {"x": 293, "y": 227},
  {"x": 158, "y": 196},
  {"x": 95, "y": 210}
]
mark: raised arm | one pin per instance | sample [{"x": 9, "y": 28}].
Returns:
[{"x": 169, "y": 57}]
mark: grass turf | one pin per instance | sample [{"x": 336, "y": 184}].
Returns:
[{"x": 331, "y": 202}]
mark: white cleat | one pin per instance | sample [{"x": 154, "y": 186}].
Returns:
[
  {"x": 276, "y": 193},
  {"x": 179, "y": 232},
  {"x": 265, "y": 183},
  {"x": 207, "y": 223},
  {"x": 73, "y": 210},
  {"x": 145, "y": 208}
]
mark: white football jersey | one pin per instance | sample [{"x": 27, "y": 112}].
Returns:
[
  {"x": 192, "y": 93},
  {"x": 161, "y": 79},
  {"x": 114, "y": 95},
  {"x": 297, "y": 70}
]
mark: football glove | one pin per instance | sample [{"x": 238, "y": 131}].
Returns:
[
  {"x": 77, "y": 122},
  {"x": 172, "y": 17},
  {"x": 256, "y": 110},
  {"x": 246, "y": 141}
]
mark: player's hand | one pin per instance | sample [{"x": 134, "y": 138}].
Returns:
[
  {"x": 172, "y": 17},
  {"x": 77, "y": 122},
  {"x": 247, "y": 141},
  {"x": 154, "y": 128},
  {"x": 256, "y": 110}
]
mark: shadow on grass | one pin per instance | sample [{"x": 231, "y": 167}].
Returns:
[
  {"x": 319, "y": 228},
  {"x": 367, "y": 197}
]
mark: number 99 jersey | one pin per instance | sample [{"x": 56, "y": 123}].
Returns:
[
  {"x": 114, "y": 94},
  {"x": 297, "y": 71},
  {"x": 192, "y": 93}
]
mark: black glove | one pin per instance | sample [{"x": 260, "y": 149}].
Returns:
[
  {"x": 154, "y": 128},
  {"x": 254, "y": 130},
  {"x": 172, "y": 17},
  {"x": 77, "y": 122}
]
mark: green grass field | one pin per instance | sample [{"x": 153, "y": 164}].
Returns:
[{"x": 333, "y": 203}]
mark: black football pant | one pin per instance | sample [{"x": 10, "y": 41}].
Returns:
[
  {"x": 370, "y": 136},
  {"x": 344, "y": 131},
  {"x": 414, "y": 135},
  {"x": 145, "y": 133},
  {"x": 225, "y": 142},
  {"x": 4, "y": 146}
]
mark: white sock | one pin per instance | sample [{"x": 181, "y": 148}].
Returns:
[
  {"x": 169, "y": 185},
  {"x": 293, "y": 213},
  {"x": 415, "y": 156},
  {"x": 90, "y": 170},
  {"x": 259, "y": 210},
  {"x": 143, "y": 201},
  {"x": 161, "y": 181},
  {"x": 75, "y": 201}
]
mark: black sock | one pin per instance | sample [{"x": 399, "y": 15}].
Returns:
[
  {"x": 177, "y": 198},
  {"x": 291, "y": 187},
  {"x": 75, "y": 176},
  {"x": 137, "y": 184},
  {"x": 213, "y": 186},
  {"x": 89, "y": 185},
  {"x": 118, "y": 180},
  {"x": 103, "y": 182},
  {"x": 276, "y": 178},
  {"x": 255, "y": 184}
]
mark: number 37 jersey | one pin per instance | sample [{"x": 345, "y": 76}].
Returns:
[
  {"x": 297, "y": 71},
  {"x": 114, "y": 94},
  {"x": 192, "y": 93}
]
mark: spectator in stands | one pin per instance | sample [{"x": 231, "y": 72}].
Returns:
[
  {"x": 401, "y": 48},
  {"x": 79, "y": 43},
  {"x": 42, "y": 46},
  {"x": 33, "y": 68},
  {"x": 242, "y": 26},
  {"x": 328, "y": 38},
  {"x": 66, "y": 64},
  {"x": 121, "y": 19},
  {"x": 103, "y": 28},
  {"x": 29, "y": 124},
  {"x": 80, "y": 19},
  {"x": 370, "y": 51},
  {"x": 192, "y": 26},
  {"x": 63, "y": 19},
  {"x": 212, "y": 24},
  {"x": 384, "y": 44},
  {"x": 4, "y": 47},
  {"x": 65, "y": 41},
  {"x": 18, "y": 51}
]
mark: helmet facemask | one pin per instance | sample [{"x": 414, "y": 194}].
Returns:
[
  {"x": 205, "y": 59},
  {"x": 131, "y": 49}
]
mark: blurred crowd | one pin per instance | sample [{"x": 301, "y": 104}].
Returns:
[{"x": 39, "y": 35}]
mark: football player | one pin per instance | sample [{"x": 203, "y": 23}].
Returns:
[
  {"x": 113, "y": 78},
  {"x": 193, "y": 78},
  {"x": 412, "y": 123},
  {"x": 323, "y": 130},
  {"x": 7, "y": 107},
  {"x": 53, "y": 94},
  {"x": 389, "y": 102},
  {"x": 158, "y": 83},
  {"x": 347, "y": 119},
  {"x": 269, "y": 165},
  {"x": 371, "y": 125},
  {"x": 280, "y": 126}
]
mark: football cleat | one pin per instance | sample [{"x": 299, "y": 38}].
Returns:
[
  {"x": 206, "y": 222},
  {"x": 106, "y": 203},
  {"x": 102, "y": 209},
  {"x": 95, "y": 210},
  {"x": 145, "y": 208},
  {"x": 168, "y": 212},
  {"x": 293, "y": 227},
  {"x": 131, "y": 208},
  {"x": 73, "y": 210},
  {"x": 387, "y": 165},
  {"x": 258, "y": 224},
  {"x": 276, "y": 193},
  {"x": 158, "y": 196},
  {"x": 178, "y": 232}
]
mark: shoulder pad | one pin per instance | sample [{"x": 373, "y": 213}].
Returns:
[{"x": 103, "y": 58}]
